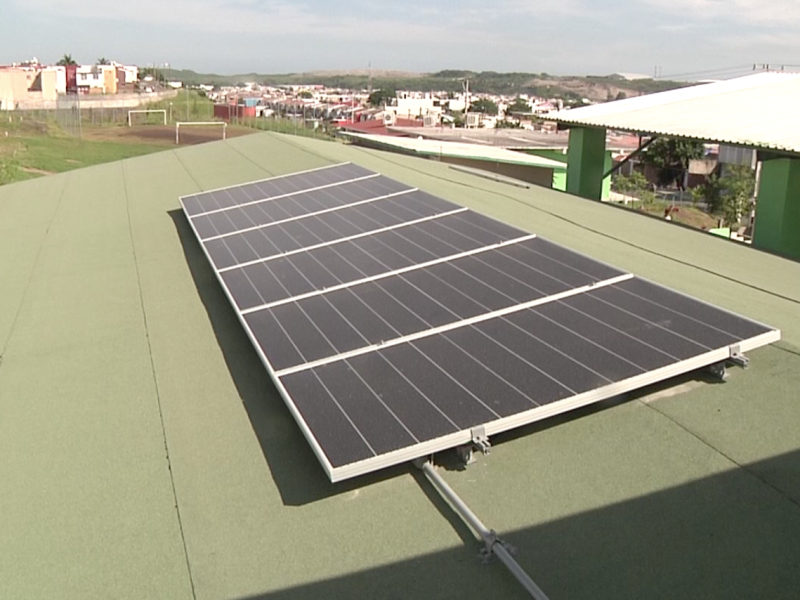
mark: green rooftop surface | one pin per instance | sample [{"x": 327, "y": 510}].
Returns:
[{"x": 144, "y": 452}]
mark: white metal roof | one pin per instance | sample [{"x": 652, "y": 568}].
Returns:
[
  {"x": 427, "y": 147},
  {"x": 761, "y": 110}
]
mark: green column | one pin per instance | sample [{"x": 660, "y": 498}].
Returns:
[
  {"x": 586, "y": 160},
  {"x": 777, "y": 226}
]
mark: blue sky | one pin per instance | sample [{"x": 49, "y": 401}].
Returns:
[{"x": 272, "y": 36}]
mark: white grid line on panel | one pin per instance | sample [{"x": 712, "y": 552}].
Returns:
[
  {"x": 455, "y": 325},
  {"x": 311, "y": 214},
  {"x": 344, "y": 239},
  {"x": 400, "y": 271},
  {"x": 284, "y": 195},
  {"x": 273, "y": 178}
]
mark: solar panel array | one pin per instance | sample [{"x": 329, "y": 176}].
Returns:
[{"x": 396, "y": 324}]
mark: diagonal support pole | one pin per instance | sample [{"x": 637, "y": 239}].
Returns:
[{"x": 493, "y": 545}]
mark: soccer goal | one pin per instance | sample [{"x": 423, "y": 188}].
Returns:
[
  {"x": 180, "y": 124},
  {"x": 148, "y": 111}
]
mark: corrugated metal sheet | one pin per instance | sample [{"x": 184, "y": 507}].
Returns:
[{"x": 761, "y": 110}]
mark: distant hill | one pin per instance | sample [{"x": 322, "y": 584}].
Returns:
[{"x": 490, "y": 82}]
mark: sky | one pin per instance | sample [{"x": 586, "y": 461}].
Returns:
[{"x": 696, "y": 38}]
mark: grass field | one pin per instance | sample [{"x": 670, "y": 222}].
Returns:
[
  {"x": 687, "y": 215},
  {"x": 31, "y": 149}
]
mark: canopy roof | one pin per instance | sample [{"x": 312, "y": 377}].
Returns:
[{"x": 761, "y": 111}]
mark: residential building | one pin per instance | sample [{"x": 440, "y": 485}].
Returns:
[
  {"x": 14, "y": 84},
  {"x": 97, "y": 79}
]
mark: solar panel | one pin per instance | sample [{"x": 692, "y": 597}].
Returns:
[{"x": 396, "y": 324}]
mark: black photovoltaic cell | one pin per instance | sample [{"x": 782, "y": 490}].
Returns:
[
  {"x": 289, "y": 207},
  {"x": 343, "y": 262},
  {"x": 347, "y": 286},
  {"x": 475, "y": 374},
  {"x": 376, "y": 311},
  {"x": 304, "y": 232},
  {"x": 268, "y": 188}
]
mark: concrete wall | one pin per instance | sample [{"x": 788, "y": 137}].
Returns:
[
  {"x": 777, "y": 226},
  {"x": 98, "y": 101},
  {"x": 14, "y": 84},
  {"x": 109, "y": 80},
  {"x": 559, "y": 178},
  {"x": 537, "y": 175}
]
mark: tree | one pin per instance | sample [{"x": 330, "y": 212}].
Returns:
[
  {"x": 519, "y": 105},
  {"x": 671, "y": 157},
  {"x": 103, "y": 61},
  {"x": 305, "y": 94},
  {"x": 635, "y": 185},
  {"x": 737, "y": 187},
  {"x": 66, "y": 61},
  {"x": 731, "y": 195},
  {"x": 152, "y": 72},
  {"x": 381, "y": 97},
  {"x": 484, "y": 105}
]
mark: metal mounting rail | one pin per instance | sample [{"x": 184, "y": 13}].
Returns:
[{"x": 493, "y": 545}]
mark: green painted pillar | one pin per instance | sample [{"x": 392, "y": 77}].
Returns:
[
  {"x": 777, "y": 226},
  {"x": 586, "y": 160}
]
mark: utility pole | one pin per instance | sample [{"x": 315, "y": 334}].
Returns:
[{"x": 465, "y": 87}]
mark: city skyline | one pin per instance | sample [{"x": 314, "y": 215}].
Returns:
[{"x": 671, "y": 37}]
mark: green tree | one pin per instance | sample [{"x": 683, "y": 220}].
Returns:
[
  {"x": 519, "y": 105},
  {"x": 671, "y": 157},
  {"x": 381, "y": 97},
  {"x": 710, "y": 194},
  {"x": 66, "y": 61},
  {"x": 154, "y": 73},
  {"x": 305, "y": 94},
  {"x": 484, "y": 105},
  {"x": 103, "y": 61},
  {"x": 635, "y": 185},
  {"x": 459, "y": 119},
  {"x": 737, "y": 187}
]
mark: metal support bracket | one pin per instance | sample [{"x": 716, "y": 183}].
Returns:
[
  {"x": 738, "y": 358},
  {"x": 480, "y": 442},
  {"x": 490, "y": 542}
]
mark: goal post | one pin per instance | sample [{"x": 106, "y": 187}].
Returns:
[
  {"x": 180, "y": 124},
  {"x": 143, "y": 111}
]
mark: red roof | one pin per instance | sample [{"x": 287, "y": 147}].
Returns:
[{"x": 377, "y": 126}]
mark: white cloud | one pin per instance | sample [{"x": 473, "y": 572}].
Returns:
[
  {"x": 268, "y": 18},
  {"x": 775, "y": 12}
]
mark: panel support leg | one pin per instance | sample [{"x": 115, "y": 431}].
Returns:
[{"x": 492, "y": 544}]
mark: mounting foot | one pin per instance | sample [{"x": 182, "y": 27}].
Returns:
[
  {"x": 480, "y": 442},
  {"x": 738, "y": 358}
]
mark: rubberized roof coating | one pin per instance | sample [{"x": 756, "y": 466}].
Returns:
[{"x": 145, "y": 453}]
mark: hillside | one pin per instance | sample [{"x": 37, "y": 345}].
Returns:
[{"x": 490, "y": 82}]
